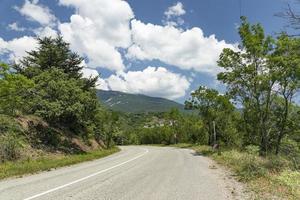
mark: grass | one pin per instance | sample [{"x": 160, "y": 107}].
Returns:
[
  {"x": 270, "y": 178},
  {"x": 19, "y": 168}
]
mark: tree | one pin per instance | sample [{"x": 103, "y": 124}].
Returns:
[
  {"x": 286, "y": 61},
  {"x": 110, "y": 126},
  {"x": 262, "y": 71},
  {"x": 15, "y": 90},
  {"x": 51, "y": 53},
  {"x": 249, "y": 78},
  {"x": 174, "y": 118},
  {"x": 61, "y": 100},
  {"x": 212, "y": 107}
]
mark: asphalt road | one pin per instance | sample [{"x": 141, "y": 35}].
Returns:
[{"x": 135, "y": 173}]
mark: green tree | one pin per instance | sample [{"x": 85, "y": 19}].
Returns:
[
  {"x": 51, "y": 53},
  {"x": 61, "y": 100},
  {"x": 110, "y": 126},
  {"x": 250, "y": 79},
  {"x": 261, "y": 72},
  {"x": 174, "y": 120},
  {"x": 212, "y": 107},
  {"x": 15, "y": 90},
  {"x": 286, "y": 63}
]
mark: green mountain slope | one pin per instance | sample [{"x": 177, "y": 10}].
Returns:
[{"x": 136, "y": 103}]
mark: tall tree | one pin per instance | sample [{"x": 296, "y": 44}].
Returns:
[
  {"x": 286, "y": 63},
  {"x": 263, "y": 75},
  {"x": 249, "y": 78},
  {"x": 212, "y": 107},
  {"x": 51, "y": 53}
]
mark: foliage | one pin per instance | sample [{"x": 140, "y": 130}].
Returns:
[
  {"x": 51, "y": 53},
  {"x": 10, "y": 145},
  {"x": 217, "y": 109},
  {"x": 62, "y": 100},
  {"x": 14, "y": 91},
  {"x": 261, "y": 73}
]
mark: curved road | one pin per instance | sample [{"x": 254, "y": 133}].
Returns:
[{"x": 135, "y": 173}]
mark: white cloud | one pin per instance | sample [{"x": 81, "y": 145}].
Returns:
[
  {"x": 17, "y": 47},
  {"x": 98, "y": 30},
  {"x": 172, "y": 15},
  {"x": 151, "y": 81},
  {"x": 15, "y": 27},
  {"x": 186, "y": 49},
  {"x": 37, "y": 12},
  {"x": 45, "y": 32},
  {"x": 175, "y": 10}
]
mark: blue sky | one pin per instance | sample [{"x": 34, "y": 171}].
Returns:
[{"x": 160, "y": 48}]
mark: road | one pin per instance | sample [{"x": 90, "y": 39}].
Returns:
[{"x": 135, "y": 173}]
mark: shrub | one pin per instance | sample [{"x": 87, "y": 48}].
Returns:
[
  {"x": 8, "y": 124},
  {"x": 247, "y": 166},
  {"x": 276, "y": 163},
  {"x": 9, "y": 147},
  {"x": 252, "y": 149},
  {"x": 290, "y": 149}
]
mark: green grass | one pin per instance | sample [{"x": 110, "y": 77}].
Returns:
[
  {"x": 270, "y": 178},
  {"x": 18, "y": 168}
]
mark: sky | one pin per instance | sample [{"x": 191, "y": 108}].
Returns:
[{"x": 161, "y": 48}]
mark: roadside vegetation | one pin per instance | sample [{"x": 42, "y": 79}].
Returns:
[
  {"x": 48, "y": 108},
  {"x": 50, "y": 115},
  {"x": 253, "y": 128}
]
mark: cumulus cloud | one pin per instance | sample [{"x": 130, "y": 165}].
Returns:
[
  {"x": 37, "y": 12},
  {"x": 186, "y": 49},
  {"x": 98, "y": 30},
  {"x": 17, "y": 47},
  {"x": 175, "y": 10},
  {"x": 45, "y": 32},
  {"x": 153, "y": 81},
  {"x": 173, "y": 15},
  {"x": 15, "y": 27}
]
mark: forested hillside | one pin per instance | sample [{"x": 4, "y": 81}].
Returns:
[{"x": 136, "y": 103}]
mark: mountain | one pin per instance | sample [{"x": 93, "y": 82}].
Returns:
[{"x": 136, "y": 103}]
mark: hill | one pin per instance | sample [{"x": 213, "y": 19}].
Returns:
[{"x": 136, "y": 103}]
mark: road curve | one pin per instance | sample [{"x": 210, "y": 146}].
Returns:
[{"x": 135, "y": 173}]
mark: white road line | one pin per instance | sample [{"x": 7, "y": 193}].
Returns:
[{"x": 84, "y": 178}]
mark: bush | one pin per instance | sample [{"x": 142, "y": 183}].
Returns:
[
  {"x": 290, "y": 149},
  {"x": 8, "y": 124},
  {"x": 247, "y": 166},
  {"x": 276, "y": 163},
  {"x": 204, "y": 150},
  {"x": 9, "y": 147},
  {"x": 252, "y": 149},
  {"x": 9, "y": 140}
]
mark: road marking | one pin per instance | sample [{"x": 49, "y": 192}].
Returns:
[{"x": 87, "y": 177}]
